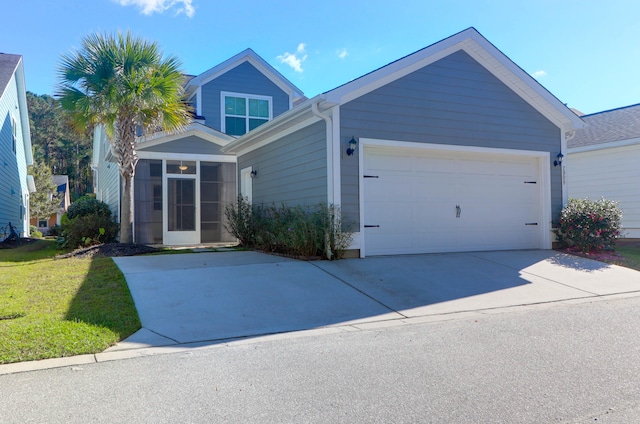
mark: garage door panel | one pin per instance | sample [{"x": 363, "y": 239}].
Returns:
[{"x": 414, "y": 201}]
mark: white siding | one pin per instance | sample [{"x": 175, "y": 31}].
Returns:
[
  {"x": 107, "y": 184},
  {"x": 612, "y": 173}
]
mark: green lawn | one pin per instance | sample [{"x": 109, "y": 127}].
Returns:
[
  {"x": 52, "y": 308},
  {"x": 631, "y": 255}
]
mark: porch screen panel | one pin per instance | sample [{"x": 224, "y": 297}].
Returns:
[
  {"x": 182, "y": 204},
  {"x": 217, "y": 191},
  {"x": 148, "y": 201}
]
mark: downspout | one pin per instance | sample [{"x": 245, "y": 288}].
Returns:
[{"x": 329, "y": 132}]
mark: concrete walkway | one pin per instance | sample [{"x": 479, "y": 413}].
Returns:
[{"x": 214, "y": 297}]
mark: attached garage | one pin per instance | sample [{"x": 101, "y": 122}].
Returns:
[
  {"x": 448, "y": 149},
  {"x": 433, "y": 199}
]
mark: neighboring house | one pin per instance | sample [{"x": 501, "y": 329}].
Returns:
[
  {"x": 62, "y": 188},
  {"x": 448, "y": 149},
  {"x": 184, "y": 182},
  {"x": 15, "y": 146},
  {"x": 603, "y": 160}
]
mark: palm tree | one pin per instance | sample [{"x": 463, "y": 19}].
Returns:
[{"x": 126, "y": 85}]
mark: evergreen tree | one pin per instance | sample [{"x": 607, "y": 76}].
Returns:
[{"x": 46, "y": 200}]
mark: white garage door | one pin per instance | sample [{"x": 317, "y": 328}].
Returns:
[{"x": 423, "y": 201}]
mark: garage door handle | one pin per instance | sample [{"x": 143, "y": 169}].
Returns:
[{"x": 458, "y": 211}]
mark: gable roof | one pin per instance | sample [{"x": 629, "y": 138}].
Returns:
[
  {"x": 609, "y": 126},
  {"x": 8, "y": 65},
  {"x": 470, "y": 41},
  {"x": 206, "y": 133},
  {"x": 482, "y": 51},
  {"x": 259, "y": 63}
]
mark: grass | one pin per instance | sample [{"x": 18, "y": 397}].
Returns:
[
  {"x": 60, "y": 307},
  {"x": 631, "y": 255}
]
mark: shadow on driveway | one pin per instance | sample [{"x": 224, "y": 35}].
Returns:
[{"x": 213, "y": 297}]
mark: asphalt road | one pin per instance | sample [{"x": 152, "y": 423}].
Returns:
[{"x": 576, "y": 363}]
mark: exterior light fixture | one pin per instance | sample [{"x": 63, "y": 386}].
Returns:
[
  {"x": 352, "y": 146},
  {"x": 558, "y": 160},
  {"x": 254, "y": 173},
  {"x": 182, "y": 167}
]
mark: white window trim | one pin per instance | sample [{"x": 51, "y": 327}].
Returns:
[{"x": 246, "y": 96}]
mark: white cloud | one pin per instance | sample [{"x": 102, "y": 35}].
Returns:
[
  {"x": 294, "y": 59},
  {"x": 149, "y": 7},
  {"x": 539, "y": 74},
  {"x": 342, "y": 53}
]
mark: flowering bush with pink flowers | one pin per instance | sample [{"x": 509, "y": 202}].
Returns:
[{"x": 589, "y": 225}]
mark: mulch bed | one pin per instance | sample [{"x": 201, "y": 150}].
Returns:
[
  {"x": 13, "y": 243},
  {"x": 109, "y": 250}
]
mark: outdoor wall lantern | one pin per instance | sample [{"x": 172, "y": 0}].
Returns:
[
  {"x": 352, "y": 146},
  {"x": 558, "y": 160},
  {"x": 254, "y": 173}
]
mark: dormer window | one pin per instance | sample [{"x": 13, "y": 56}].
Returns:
[{"x": 243, "y": 112}]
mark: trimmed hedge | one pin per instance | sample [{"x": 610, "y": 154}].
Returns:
[{"x": 589, "y": 225}]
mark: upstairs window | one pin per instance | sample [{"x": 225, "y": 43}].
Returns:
[{"x": 244, "y": 112}]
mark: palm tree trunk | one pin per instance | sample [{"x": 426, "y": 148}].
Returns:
[
  {"x": 125, "y": 150},
  {"x": 126, "y": 210}
]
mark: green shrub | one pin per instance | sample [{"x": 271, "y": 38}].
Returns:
[
  {"x": 589, "y": 225},
  {"x": 33, "y": 229},
  {"x": 240, "y": 222},
  {"x": 36, "y": 234},
  {"x": 88, "y": 221},
  {"x": 290, "y": 230},
  {"x": 55, "y": 230},
  {"x": 87, "y": 205}
]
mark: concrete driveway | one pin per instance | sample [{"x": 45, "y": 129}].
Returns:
[{"x": 214, "y": 297}]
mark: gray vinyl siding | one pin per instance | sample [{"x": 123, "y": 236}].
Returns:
[
  {"x": 190, "y": 145},
  {"x": 453, "y": 101},
  {"x": 14, "y": 193},
  {"x": 107, "y": 184},
  {"x": 291, "y": 170},
  {"x": 245, "y": 79}
]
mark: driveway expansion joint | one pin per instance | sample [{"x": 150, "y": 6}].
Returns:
[{"x": 360, "y": 291}]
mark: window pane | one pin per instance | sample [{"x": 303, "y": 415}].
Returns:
[
  {"x": 259, "y": 108},
  {"x": 235, "y": 126},
  {"x": 255, "y": 123},
  {"x": 235, "y": 106}
]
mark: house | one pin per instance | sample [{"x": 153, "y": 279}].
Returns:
[
  {"x": 15, "y": 146},
  {"x": 183, "y": 182},
  {"x": 62, "y": 189},
  {"x": 451, "y": 148},
  {"x": 603, "y": 160}
]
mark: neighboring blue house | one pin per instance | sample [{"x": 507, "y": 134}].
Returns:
[
  {"x": 184, "y": 182},
  {"x": 15, "y": 146},
  {"x": 451, "y": 148}
]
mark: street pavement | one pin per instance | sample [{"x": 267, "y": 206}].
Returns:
[{"x": 573, "y": 362}]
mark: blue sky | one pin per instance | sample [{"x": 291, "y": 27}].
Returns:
[{"x": 587, "y": 53}]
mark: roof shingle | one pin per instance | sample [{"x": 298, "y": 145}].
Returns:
[{"x": 608, "y": 127}]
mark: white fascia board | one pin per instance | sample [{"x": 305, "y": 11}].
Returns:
[
  {"x": 24, "y": 114},
  {"x": 482, "y": 51},
  {"x": 604, "y": 146},
  {"x": 194, "y": 129},
  {"x": 187, "y": 156},
  {"x": 259, "y": 63}
]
